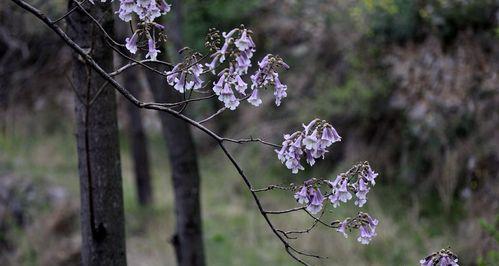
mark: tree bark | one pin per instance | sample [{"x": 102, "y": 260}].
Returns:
[
  {"x": 138, "y": 140},
  {"x": 102, "y": 215},
  {"x": 188, "y": 238}
]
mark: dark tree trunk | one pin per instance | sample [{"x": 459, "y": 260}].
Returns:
[
  {"x": 188, "y": 238},
  {"x": 102, "y": 217},
  {"x": 138, "y": 140}
]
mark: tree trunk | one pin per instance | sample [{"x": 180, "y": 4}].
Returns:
[
  {"x": 102, "y": 217},
  {"x": 188, "y": 237},
  {"x": 138, "y": 141}
]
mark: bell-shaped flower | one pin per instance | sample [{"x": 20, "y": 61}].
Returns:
[
  {"x": 302, "y": 195},
  {"x": 342, "y": 228},
  {"x": 152, "y": 52},
  {"x": 329, "y": 136},
  {"x": 164, "y": 7},
  {"x": 254, "y": 99},
  {"x": 244, "y": 42},
  {"x": 370, "y": 175},
  {"x": 310, "y": 141},
  {"x": 362, "y": 190},
  {"x": 218, "y": 86},
  {"x": 343, "y": 194},
  {"x": 131, "y": 43},
  {"x": 316, "y": 201},
  {"x": 241, "y": 86}
]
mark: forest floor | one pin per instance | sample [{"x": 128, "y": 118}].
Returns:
[{"x": 234, "y": 232}]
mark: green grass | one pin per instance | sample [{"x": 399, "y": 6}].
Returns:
[{"x": 234, "y": 232}]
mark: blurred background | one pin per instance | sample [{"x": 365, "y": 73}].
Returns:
[{"x": 411, "y": 86}]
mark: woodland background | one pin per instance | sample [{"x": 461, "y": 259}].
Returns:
[{"x": 411, "y": 86}]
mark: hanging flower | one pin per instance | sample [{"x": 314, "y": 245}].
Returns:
[
  {"x": 153, "y": 52},
  {"x": 131, "y": 42}
]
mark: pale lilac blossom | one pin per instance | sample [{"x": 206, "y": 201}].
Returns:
[
  {"x": 342, "y": 228},
  {"x": 131, "y": 43},
  {"x": 367, "y": 230},
  {"x": 303, "y": 142},
  {"x": 316, "y": 201},
  {"x": 443, "y": 257},
  {"x": 152, "y": 52}
]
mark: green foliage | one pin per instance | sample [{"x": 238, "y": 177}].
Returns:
[
  {"x": 220, "y": 14},
  {"x": 492, "y": 257},
  {"x": 403, "y": 20}
]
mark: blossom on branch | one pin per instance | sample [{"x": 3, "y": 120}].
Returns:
[
  {"x": 313, "y": 141},
  {"x": 443, "y": 257}
]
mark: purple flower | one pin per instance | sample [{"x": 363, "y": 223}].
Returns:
[
  {"x": 329, "y": 136},
  {"x": 227, "y": 96},
  {"x": 310, "y": 141},
  {"x": 309, "y": 157},
  {"x": 164, "y": 7},
  {"x": 127, "y": 7},
  {"x": 244, "y": 42},
  {"x": 367, "y": 230},
  {"x": 213, "y": 64},
  {"x": 254, "y": 99},
  {"x": 445, "y": 260},
  {"x": 153, "y": 52},
  {"x": 266, "y": 74},
  {"x": 294, "y": 165},
  {"x": 316, "y": 200},
  {"x": 218, "y": 86},
  {"x": 370, "y": 175},
  {"x": 343, "y": 193},
  {"x": 343, "y": 227},
  {"x": 362, "y": 190},
  {"x": 241, "y": 86},
  {"x": 306, "y": 142},
  {"x": 426, "y": 262},
  {"x": 243, "y": 62},
  {"x": 302, "y": 196},
  {"x": 443, "y": 257},
  {"x": 309, "y": 126},
  {"x": 279, "y": 91},
  {"x": 131, "y": 43},
  {"x": 147, "y": 10},
  {"x": 185, "y": 79}
]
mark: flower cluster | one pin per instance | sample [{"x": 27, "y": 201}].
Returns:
[
  {"x": 364, "y": 223},
  {"x": 267, "y": 75},
  {"x": 357, "y": 180},
  {"x": 186, "y": 75},
  {"x": 311, "y": 195},
  {"x": 238, "y": 45},
  {"x": 443, "y": 257},
  {"x": 228, "y": 81},
  {"x": 146, "y": 10},
  {"x": 312, "y": 142},
  {"x": 237, "y": 49}
]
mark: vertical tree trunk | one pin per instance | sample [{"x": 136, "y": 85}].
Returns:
[
  {"x": 188, "y": 238},
  {"x": 102, "y": 217},
  {"x": 138, "y": 141}
]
